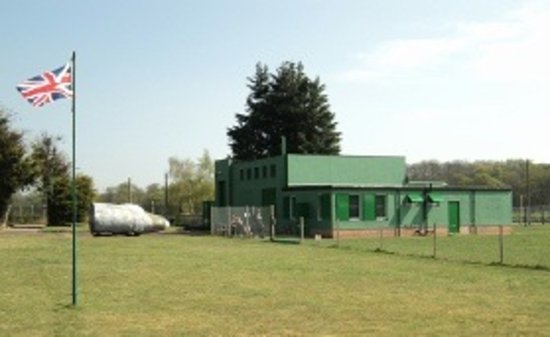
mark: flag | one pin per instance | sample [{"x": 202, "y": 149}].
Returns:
[{"x": 48, "y": 87}]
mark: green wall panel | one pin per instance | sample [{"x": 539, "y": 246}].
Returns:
[{"x": 347, "y": 170}]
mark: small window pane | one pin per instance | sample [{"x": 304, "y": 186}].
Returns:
[
  {"x": 380, "y": 206},
  {"x": 354, "y": 206}
]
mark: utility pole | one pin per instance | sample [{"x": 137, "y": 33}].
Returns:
[
  {"x": 166, "y": 194},
  {"x": 130, "y": 190}
]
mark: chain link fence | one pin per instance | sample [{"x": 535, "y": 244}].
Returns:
[
  {"x": 27, "y": 213},
  {"x": 532, "y": 214},
  {"x": 524, "y": 246},
  {"x": 249, "y": 222}
]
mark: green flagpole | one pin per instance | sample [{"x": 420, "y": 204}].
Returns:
[{"x": 73, "y": 87}]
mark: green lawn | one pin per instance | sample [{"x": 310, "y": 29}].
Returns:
[
  {"x": 527, "y": 247},
  {"x": 175, "y": 285}
]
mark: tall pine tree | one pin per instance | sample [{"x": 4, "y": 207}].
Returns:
[{"x": 287, "y": 103}]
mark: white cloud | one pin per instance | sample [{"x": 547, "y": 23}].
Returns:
[
  {"x": 512, "y": 48},
  {"x": 481, "y": 92}
]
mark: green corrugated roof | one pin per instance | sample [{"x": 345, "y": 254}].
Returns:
[
  {"x": 414, "y": 197},
  {"x": 435, "y": 198}
]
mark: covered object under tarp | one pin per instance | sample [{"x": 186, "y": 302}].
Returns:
[{"x": 124, "y": 219}]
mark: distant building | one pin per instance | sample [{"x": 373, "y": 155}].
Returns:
[{"x": 357, "y": 195}]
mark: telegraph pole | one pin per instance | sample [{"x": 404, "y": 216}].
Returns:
[{"x": 166, "y": 194}]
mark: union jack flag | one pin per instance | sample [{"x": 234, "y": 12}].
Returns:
[{"x": 48, "y": 87}]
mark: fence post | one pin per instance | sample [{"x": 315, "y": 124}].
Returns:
[
  {"x": 381, "y": 235},
  {"x": 272, "y": 223},
  {"x": 501, "y": 244},
  {"x": 246, "y": 220},
  {"x": 212, "y": 220},
  {"x": 301, "y": 229},
  {"x": 337, "y": 233},
  {"x": 228, "y": 231},
  {"x": 435, "y": 240}
]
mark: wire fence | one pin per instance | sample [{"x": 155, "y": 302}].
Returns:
[
  {"x": 28, "y": 213},
  {"x": 531, "y": 214},
  {"x": 246, "y": 222},
  {"x": 514, "y": 245}
]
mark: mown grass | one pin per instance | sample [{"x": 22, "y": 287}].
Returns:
[
  {"x": 175, "y": 285},
  {"x": 527, "y": 247}
]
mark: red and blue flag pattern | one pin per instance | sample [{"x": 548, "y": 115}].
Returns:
[{"x": 48, "y": 87}]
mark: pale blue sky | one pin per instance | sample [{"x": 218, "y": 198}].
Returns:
[{"x": 427, "y": 79}]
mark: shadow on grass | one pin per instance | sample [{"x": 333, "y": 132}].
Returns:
[{"x": 285, "y": 241}]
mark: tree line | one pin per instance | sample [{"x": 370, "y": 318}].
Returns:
[
  {"x": 187, "y": 184},
  {"x": 43, "y": 169},
  {"x": 527, "y": 180},
  {"x": 37, "y": 177},
  {"x": 282, "y": 104}
]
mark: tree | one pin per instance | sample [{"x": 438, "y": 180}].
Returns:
[
  {"x": 511, "y": 173},
  {"x": 288, "y": 104},
  {"x": 122, "y": 193},
  {"x": 153, "y": 200},
  {"x": 85, "y": 194},
  {"x": 52, "y": 170},
  {"x": 15, "y": 167},
  {"x": 54, "y": 182},
  {"x": 191, "y": 183}
]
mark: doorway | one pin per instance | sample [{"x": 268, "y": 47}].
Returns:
[{"x": 454, "y": 217}]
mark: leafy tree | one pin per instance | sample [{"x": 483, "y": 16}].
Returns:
[
  {"x": 15, "y": 168},
  {"x": 85, "y": 194},
  {"x": 52, "y": 170},
  {"x": 122, "y": 193},
  {"x": 54, "y": 182},
  {"x": 510, "y": 173},
  {"x": 153, "y": 200},
  {"x": 191, "y": 183},
  {"x": 287, "y": 103}
]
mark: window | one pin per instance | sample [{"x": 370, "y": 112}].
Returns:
[
  {"x": 289, "y": 207},
  {"x": 249, "y": 174},
  {"x": 380, "y": 206},
  {"x": 264, "y": 171},
  {"x": 354, "y": 207},
  {"x": 319, "y": 207},
  {"x": 272, "y": 170},
  {"x": 293, "y": 210},
  {"x": 242, "y": 174},
  {"x": 256, "y": 173}
]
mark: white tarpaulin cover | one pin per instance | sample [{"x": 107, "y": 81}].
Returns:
[{"x": 124, "y": 219}]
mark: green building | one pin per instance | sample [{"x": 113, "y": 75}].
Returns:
[{"x": 357, "y": 196}]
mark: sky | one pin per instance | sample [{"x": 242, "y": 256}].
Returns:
[{"x": 429, "y": 80}]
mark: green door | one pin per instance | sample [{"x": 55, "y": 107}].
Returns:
[
  {"x": 342, "y": 207},
  {"x": 454, "y": 217}
]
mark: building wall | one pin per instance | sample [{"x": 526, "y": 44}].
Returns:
[
  {"x": 307, "y": 184},
  {"x": 493, "y": 208},
  {"x": 251, "y": 183},
  {"x": 345, "y": 170}
]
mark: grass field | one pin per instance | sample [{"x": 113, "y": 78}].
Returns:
[
  {"x": 527, "y": 247},
  {"x": 177, "y": 285}
]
